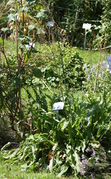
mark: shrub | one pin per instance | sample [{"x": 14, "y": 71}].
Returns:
[{"x": 83, "y": 124}]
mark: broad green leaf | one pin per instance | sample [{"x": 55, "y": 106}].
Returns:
[
  {"x": 64, "y": 126},
  {"x": 50, "y": 166},
  {"x": 64, "y": 169}
]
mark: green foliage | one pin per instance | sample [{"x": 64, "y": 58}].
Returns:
[
  {"x": 61, "y": 146},
  {"x": 68, "y": 17},
  {"x": 98, "y": 77},
  {"x": 74, "y": 73},
  {"x": 33, "y": 151},
  {"x": 56, "y": 142},
  {"x": 71, "y": 16},
  {"x": 104, "y": 35},
  {"x": 30, "y": 83},
  {"x": 65, "y": 69}
]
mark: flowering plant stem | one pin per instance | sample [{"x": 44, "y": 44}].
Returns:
[
  {"x": 18, "y": 60},
  {"x": 97, "y": 74}
]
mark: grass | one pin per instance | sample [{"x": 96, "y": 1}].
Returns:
[
  {"x": 9, "y": 171},
  {"x": 91, "y": 57},
  {"x": 12, "y": 171}
]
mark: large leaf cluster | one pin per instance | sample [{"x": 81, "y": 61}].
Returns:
[{"x": 83, "y": 124}]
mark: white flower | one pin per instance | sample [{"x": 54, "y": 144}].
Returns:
[
  {"x": 86, "y": 26},
  {"x": 58, "y": 106},
  {"x": 32, "y": 44},
  {"x": 28, "y": 47},
  {"x": 50, "y": 23}
]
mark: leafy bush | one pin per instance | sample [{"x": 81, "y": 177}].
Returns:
[
  {"x": 74, "y": 73},
  {"x": 84, "y": 123},
  {"x": 65, "y": 68}
]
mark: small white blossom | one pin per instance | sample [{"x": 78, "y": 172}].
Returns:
[
  {"x": 28, "y": 47},
  {"x": 32, "y": 44},
  {"x": 50, "y": 24}
]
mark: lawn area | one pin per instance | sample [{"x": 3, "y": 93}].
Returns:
[
  {"x": 92, "y": 57},
  {"x": 9, "y": 171},
  {"x": 89, "y": 56},
  {"x": 13, "y": 171}
]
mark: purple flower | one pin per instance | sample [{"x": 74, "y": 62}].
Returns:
[
  {"x": 86, "y": 69},
  {"x": 84, "y": 160},
  {"x": 82, "y": 172},
  {"x": 108, "y": 58},
  {"x": 92, "y": 69},
  {"x": 99, "y": 66},
  {"x": 88, "y": 78},
  {"x": 92, "y": 175},
  {"x": 103, "y": 63},
  {"x": 83, "y": 157},
  {"x": 88, "y": 149},
  {"x": 99, "y": 75},
  {"x": 93, "y": 154},
  {"x": 102, "y": 73},
  {"x": 85, "y": 65},
  {"x": 83, "y": 165}
]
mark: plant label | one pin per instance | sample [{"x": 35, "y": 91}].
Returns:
[
  {"x": 109, "y": 61},
  {"x": 86, "y": 26},
  {"x": 58, "y": 106}
]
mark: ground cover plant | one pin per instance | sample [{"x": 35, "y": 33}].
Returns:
[{"x": 33, "y": 76}]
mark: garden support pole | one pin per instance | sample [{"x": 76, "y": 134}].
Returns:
[{"x": 85, "y": 39}]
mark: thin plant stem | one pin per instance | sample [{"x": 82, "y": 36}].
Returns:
[
  {"x": 17, "y": 54},
  {"x": 95, "y": 83}
]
